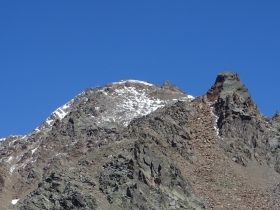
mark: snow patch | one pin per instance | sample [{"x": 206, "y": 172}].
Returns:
[
  {"x": 34, "y": 150},
  {"x": 12, "y": 168},
  {"x": 216, "y": 121},
  {"x": 187, "y": 98},
  {"x": 36, "y": 130},
  {"x": 190, "y": 97},
  {"x": 133, "y": 81},
  {"x": 9, "y": 159},
  {"x": 33, "y": 161},
  {"x": 49, "y": 121},
  {"x": 73, "y": 143},
  {"x": 60, "y": 113},
  {"x": 14, "y": 202},
  {"x": 126, "y": 103},
  {"x": 129, "y": 103}
]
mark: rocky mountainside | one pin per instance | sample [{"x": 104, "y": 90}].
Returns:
[{"x": 135, "y": 145}]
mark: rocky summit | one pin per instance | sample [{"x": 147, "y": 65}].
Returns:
[{"x": 135, "y": 145}]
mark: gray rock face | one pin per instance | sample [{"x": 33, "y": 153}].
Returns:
[
  {"x": 276, "y": 117},
  {"x": 92, "y": 119},
  {"x": 226, "y": 84},
  {"x": 146, "y": 181},
  {"x": 134, "y": 145},
  {"x": 246, "y": 132},
  {"x": 140, "y": 177},
  {"x": 59, "y": 191},
  {"x": 273, "y": 144},
  {"x": 167, "y": 85}
]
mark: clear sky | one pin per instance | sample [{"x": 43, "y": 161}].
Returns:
[{"x": 50, "y": 51}]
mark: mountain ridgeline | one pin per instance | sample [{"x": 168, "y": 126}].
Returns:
[{"x": 135, "y": 145}]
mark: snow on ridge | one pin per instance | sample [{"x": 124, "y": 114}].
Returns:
[
  {"x": 59, "y": 113},
  {"x": 187, "y": 98},
  {"x": 190, "y": 97},
  {"x": 133, "y": 81},
  {"x": 131, "y": 103},
  {"x": 62, "y": 111},
  {"x": 136, "y": 103},
  {"x": 13, "y": 136},
  {"x": 49, "y": 121},
  {"x": 127, "y": 103}
]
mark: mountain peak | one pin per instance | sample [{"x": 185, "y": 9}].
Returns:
[
  {"x": 167, "y": 85},
  {"x": 227, "y": 84},
  {"x": 132, "y": 139},
  {"x": 133, "y": 81},
  {"x": 228, "y": 89},
  {"x": 276, "y": 116}
]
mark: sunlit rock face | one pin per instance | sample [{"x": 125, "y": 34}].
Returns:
[{"x": 134, "y": 145}]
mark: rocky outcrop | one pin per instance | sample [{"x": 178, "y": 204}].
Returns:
[
  {"x": 91, "y": 120},
  {"x": 231, "y": 97},
  {"x": 228, "y": 84},
  {"x": 60, "y": 191},
  {"x": 141, "y": 177},
  {"x": 246, "y": 133},
  {"x": 146, "y": 181},
  {"x": 168, "y": 86},
  {"x": 276, "y": 117}
]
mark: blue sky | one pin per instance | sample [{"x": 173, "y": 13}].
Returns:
[{"x": 53, "y": 50}]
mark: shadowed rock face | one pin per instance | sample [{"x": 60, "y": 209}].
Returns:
[
  {"x": 246, "y": 133},
  {"x": 146, "y": 180},
  {"x": 231, "y": 97},
  {"x": 223, "y": 78},
  {"x": 60, "y": 190},
  {"x": 228, "y": 85},
  {"x": 93, "y": 119},
  {"x": 132, "y": 173}
]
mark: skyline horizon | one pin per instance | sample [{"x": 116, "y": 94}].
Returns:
[
  {"x": 131, "y": 79},
  {"x": 52, "y": 51}
]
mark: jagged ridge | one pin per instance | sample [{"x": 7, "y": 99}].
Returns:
[{"x": 165, "y": 151}]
